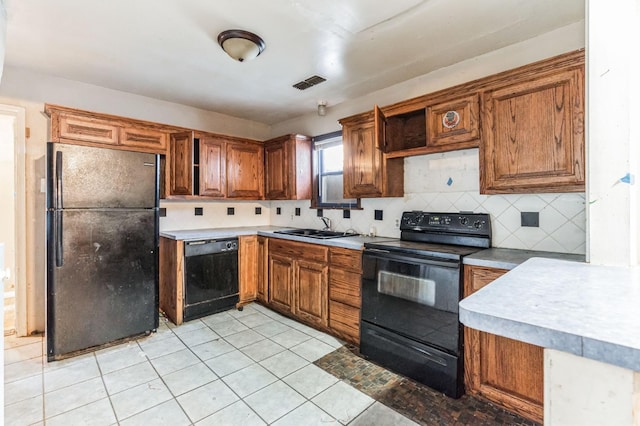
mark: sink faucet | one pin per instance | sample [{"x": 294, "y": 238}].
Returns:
[{"x": 327, "y": 223}]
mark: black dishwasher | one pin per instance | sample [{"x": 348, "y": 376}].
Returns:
[{"x": 210, "y": 277}]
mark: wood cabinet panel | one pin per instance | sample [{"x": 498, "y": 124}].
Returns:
[
  {"x": 311, "y": 302},
  {"x": 245, "y": 171},
  {"x": 344, "y": 320},
  {"x": 505, "y": 371},
  {"x": 181, "y": 164},
  {"x": 344, "y": 286},
  {"x": 534, "y": 135},
  {"x": 310, "y": 252},
  {"x": 452, "y": 123},
  {"x": 248, "y": 263},
  {"x": 277, "y": 183},
  {"x": 346, "y": 258},
  {"x": 263, "y": 270},
  {"x": 141, "y": 137},
  {"x": 213, "y": 180},
  {"x": 367, "y": 172},
  {"x": 171, "y": 299},
  {"x": 85, "y": 129},
  {"x": 280, "y": 281}
]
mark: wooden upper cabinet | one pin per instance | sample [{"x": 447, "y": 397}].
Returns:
[
  {"x": 144, "y": 138},
  {"x": 69, "y": 125},
  {"x": 505, "y": 371},
  {"x": 454, "y": 123},
  {"x": 367, "y": 173},
  {"x": 86, "y": 129},
  {"x": 212, "y": 164},
  {"x": 181, "y": 164},
  {"x": 288, "y": 168},
  {"x": 245, "y": 170},
  {"x": 533, "y": 134}
]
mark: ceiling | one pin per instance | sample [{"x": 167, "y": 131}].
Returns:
[{"x": 167, "y": 49}]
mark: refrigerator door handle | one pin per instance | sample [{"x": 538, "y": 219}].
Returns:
[
  {"x": 58, "y": 182},
  {"x": 58, "y": 239}
]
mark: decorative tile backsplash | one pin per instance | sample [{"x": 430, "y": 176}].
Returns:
[{"x": 446, "y": 182}]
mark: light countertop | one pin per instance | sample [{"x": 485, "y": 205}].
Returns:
[
  {"x": 356, "y": 242},
  {"x": 587, "y": 310},
  {"x": 504, "y": 258}
]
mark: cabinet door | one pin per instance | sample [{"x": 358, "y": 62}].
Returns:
[
  {"x": 454, "y": 123},
  {"x": 181, "y": 164},
  {"x": 149, "y": 139},
  {"x": 362, "y": 161},
  {"x": 505, "y": 371},
  {"x": 245, "y": 171},
  {"x": 263, "y": 270},
  {"x": 86, "y": 129},
  {"x": 533, "y": 136},
  {"x": 311, "y": 302},
  {"x": 212, "y": 167},
  {"x": 280, "y": 282},
  {"x": 248, "y": 257},
  {"x": 278, "y": 186}
]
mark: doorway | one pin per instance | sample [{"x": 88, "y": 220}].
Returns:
[{"x": 12, "y": 217}]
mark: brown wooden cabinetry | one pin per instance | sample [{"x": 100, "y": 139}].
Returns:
[
  {"x": 70, "y": 125},
  {"x": 288, "y": 168},
  {"x": 507, "y": 372},
  {"x": 248, "y": 268},
  {"x": 454, "y": 124},
  {"x": 533, "y": 133},
  {"x": 298, "y": 276},
  {"x": 245, "y": 170},
  {"x": 213, "y": 174},
  {"x": 181, "y": 164},
  {"x": 367, "y": 172},
  {"x": 345, "y": 273},
  {"x": 171, "y": 255},
  {"x": 263, "y": 270}
]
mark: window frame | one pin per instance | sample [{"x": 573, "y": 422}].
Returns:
[{"x": 319, "y": 143}]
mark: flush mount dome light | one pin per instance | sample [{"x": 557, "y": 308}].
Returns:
[{"x": 241, "y": 45}]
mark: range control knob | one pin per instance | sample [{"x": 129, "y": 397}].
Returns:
[
  {"x": 464, "y": 220},
  {"x": 477, "y": 224}
]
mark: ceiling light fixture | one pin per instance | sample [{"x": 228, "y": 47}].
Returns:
[
  {"x": 322, "y": 108},
  {"x": 241, "y": 45}
]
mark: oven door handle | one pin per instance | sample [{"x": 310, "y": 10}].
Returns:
[{"x": 388, "y": 255}]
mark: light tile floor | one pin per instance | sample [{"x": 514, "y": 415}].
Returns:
[{"x": 250, "y": 367}]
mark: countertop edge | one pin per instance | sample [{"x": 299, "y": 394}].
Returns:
[{"x": 473, "y": 315}]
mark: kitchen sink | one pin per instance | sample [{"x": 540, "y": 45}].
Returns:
[{"x": 316, "y": 233}]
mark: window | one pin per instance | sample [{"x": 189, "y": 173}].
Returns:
[{"x": 328, "y": 181}]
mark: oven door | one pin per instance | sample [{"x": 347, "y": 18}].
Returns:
[{"x": 414, "y": 296}]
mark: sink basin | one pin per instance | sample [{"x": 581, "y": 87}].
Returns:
[{"x": 316, "y": 233}]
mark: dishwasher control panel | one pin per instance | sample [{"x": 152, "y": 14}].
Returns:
[{"x": 198, "y": 248}]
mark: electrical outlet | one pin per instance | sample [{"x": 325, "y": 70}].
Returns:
[
  {"x": 397, "y": 223},
  {"x": 530, "y": 219}
]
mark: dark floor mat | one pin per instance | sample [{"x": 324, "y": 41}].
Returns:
[{"x": 413, "y": 400}]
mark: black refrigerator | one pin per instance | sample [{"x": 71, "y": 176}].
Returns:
[{"x": 102, "y": 246}]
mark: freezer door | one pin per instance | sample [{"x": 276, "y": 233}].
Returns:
[
  {"x": 102, "y": 277},
  {"x": 87, "y": 177}
]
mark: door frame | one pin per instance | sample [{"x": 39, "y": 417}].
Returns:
[{"x": 20, "y": 273}]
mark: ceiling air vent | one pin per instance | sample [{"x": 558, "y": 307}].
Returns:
[{"x": 309, "y": 82}]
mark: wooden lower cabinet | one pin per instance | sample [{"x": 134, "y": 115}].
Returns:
[
  {"x": 298, "y": 279},
  {"x": 248, "y": 268},
  {"x": 345, "y": 273},
  {"x": 505, "y": 371},
  {"x": 262, "y": 290},
  {"x": 171, "y": 253}
]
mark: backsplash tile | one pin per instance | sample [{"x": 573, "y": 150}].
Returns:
[{"x": 562, "y": 216}]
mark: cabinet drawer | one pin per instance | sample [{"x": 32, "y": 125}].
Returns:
[
  {"x": 309, "y": 252},
  {"x": 345, "y": 320},
  {"x": 344, "y": 287},
  {"x": 346, "y": 258},
  {"x": 144, "y": 138},
  {"x": 87, "y": 130}
]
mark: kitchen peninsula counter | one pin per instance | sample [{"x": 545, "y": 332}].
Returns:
[{"x": 505, "y": 258}]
